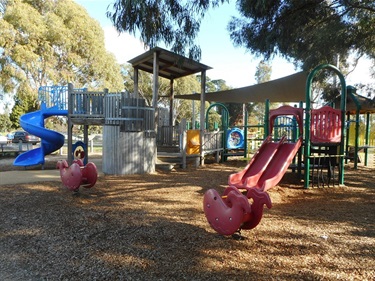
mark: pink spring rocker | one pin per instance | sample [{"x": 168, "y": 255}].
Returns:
[
  {"x": 77, "y": 174},
  {"x": 233, "y": 211}
]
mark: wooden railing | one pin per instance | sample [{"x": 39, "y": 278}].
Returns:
[
  {"x": 86, "y": 104},
  {"x": 131, "y": 114},
  {"x": 116, "y": 109}
]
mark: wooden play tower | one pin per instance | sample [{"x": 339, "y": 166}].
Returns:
[{"x": 129, "y": 145}]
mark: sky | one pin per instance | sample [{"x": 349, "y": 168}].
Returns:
[{"x": 235, "y": 65}]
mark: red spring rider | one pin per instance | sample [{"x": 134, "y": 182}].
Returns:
[
  {"x": 232, "y": 212},
  {"x": 77, "y": 174}
]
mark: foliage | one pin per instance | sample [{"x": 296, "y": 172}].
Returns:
[
  {"x": 263, "y": 72},
  {"x": 173, "y": 22},
  {"x": 183, "y": 108},
  {"x": 48, "y": 42},
  {"x": 5, "y": 123},
  {"x": 145, "y": 84},
  {"x": 257, "y": 110},
  {"x": 308, "y": 32},
  {"x": 25, "y": 101}
]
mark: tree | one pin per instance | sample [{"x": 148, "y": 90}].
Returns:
[
  {"x": 44, "y": 42},
  {"x": 25, "y": 101},
  {"x": 308, "y": 32},
  {"x": 262, "y": 74},
  {"x": 5, "y": 123},
  {"x": 169, "y": 21}
]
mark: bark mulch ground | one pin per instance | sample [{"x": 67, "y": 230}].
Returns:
[{"x": 152, "y": 227}]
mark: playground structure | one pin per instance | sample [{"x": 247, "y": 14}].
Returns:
[
  {"x": 323, "y": 147},
  {"x": 129, "y": 126},
  {"x": 130, "y": 131},
  {"x": 77, "y": 174},
  {"x": 129, "y": 138},
  {"x": 232, "y": 211}
]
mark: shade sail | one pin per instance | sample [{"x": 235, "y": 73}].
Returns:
[
  {"x": 291, "y": 88},
  {"x": 366, "y": 105}
]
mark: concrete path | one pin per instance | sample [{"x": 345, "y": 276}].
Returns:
[{"x": 28, "y": 176}]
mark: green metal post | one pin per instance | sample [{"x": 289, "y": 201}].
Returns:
[
  {"x": 267, "y": 119},
  {"x": 367, "y": 136},
  {"x": 356, "y": 140},
  {"x": 245, "y": 134},
  {"x": 300, "y": 151},
  {"x": 307, "y": 130}
]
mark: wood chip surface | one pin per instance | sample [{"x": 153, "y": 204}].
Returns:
[{"x": 152, "y": 227}]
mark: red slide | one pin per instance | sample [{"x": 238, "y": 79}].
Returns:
[
  {"x": 278, "y": 165},
  {"x": 268, "y": 165},
  {"x": 250, "y": 175}
]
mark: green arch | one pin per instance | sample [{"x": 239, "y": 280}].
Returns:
[
  {"x": 224, "y": 115},
  {"x": 310, "y": 77}
]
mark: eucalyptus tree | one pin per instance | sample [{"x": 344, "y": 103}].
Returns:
[
  {"x": 307, "y": 32},
  {"x": 173, "y": 22},
  {"x": 45, "y": 42}
]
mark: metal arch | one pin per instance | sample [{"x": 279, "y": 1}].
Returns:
[{"x": 308, "y": 120}]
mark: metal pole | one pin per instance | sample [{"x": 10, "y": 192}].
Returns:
[
  {"x": 267, "y": 119},
  {"x": 70, "y": 124},
  {"x": 155, "y": 89},
  {"x": 367, "y": 136},
  {"x": 202, "y": 117}
]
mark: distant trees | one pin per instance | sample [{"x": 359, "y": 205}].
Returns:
[
  {"x": 5, "y": 123},
  {"x": 45, "y": 42},
  {"x": 257, "y": 110},
  {"x": 181, "y": 86}
]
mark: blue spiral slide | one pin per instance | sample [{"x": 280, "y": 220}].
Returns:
[{"x": 51, "y": 141}]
